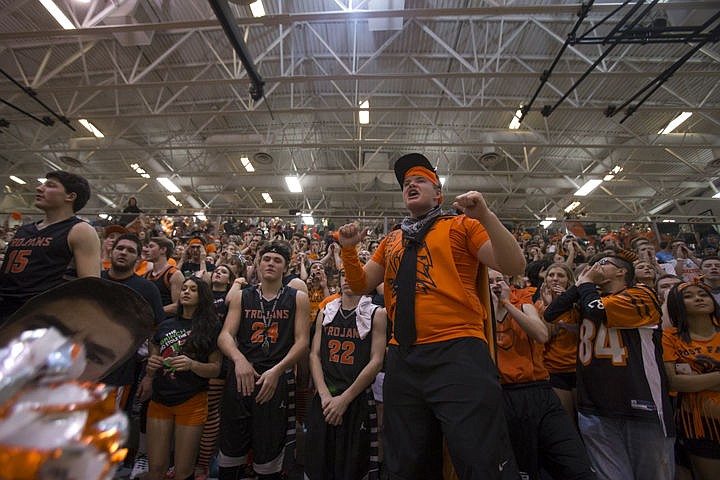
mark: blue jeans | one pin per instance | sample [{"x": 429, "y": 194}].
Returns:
[{"x": 623, "y": 449}]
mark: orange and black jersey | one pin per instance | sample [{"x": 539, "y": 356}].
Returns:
[
  {"x": 343, "y": 354},
  {"x": 696, "y": 408},
  {"x": 620, "y": 370},
  {"x": 276, "y": 330},
  {"x": 37, "y": 260}
]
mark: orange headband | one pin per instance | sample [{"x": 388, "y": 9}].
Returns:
[
  {"x": 423, "y": 172},
  {"x": 696, "y": 282},
  {"x": 195, "y": 241}
]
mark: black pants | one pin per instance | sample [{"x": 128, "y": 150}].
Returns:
[
  {"x": 543, "y": 434},
  {"x": 446, "y": 388}
]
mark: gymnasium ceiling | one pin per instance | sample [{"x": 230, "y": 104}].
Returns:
[{"x": 160, "y": 80}]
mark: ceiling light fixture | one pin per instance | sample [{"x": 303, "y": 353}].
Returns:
[
  {"x": 675, "y": 122},
  {"x": 17, "y": 180},
  {"x": 174, "y": 200},
  {"x": 572, "y": 207},
  {"x": 42, "y": 179},
  {"x": 168, "y": 184},
  {"x": 547, "y": 222},
  {"x": 105, "y": 199},
  {"x": 257, "y": 9},
  {"x": 717, "y": 195},
  {"x": 442, "y": 181},
  {"x": 364, "y": 113},
  {"x": 293, "y": 184},
  {"x": 515, "y": 123},
  {"x": 616, "y": 169},
  {"x": 266, "y": 196},
  {"x": 104, "y": 216},
  {"x": 589, "y": 186},
  {"x": 91, "y": 128},
  {"x": 660, "y": 207},
  {"x": 247, "y": 164},
  {"x": 308, "y": 219},
  {"x": 201, "y": 216},
  {"x": 58, "y": 15}
]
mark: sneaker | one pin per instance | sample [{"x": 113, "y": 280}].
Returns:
[{"x": 140, "y": 467}]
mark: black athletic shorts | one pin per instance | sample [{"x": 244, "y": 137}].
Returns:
[
  {"x": 266, "y": 428},
  {"x": 347, "y": 451}
]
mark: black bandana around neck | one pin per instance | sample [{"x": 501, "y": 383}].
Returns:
[{"x": 414, "y": 231}]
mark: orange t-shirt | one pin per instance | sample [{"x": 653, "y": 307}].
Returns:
[
  {"x": 446, "y": 298},
  {"x": 519, "y": 358},
  {"x": 560, "y": 354}
]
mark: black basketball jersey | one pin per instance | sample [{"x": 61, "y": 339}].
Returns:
[
  {"x": 265, "y": 340},
  {"x": 343, "y": 353},
  {"x": 37, "y": 260},
  {"x": 162, "y": 282}
]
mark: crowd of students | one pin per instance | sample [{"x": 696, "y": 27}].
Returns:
[{"x": 607, "y": 351}]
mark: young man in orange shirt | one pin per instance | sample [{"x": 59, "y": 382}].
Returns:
[{"x": 440, "y": 378}]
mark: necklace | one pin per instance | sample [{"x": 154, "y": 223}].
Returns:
[{"x": 267, "y": 317}]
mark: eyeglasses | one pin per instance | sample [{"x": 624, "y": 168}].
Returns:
[{"x": 606, "y": 260}]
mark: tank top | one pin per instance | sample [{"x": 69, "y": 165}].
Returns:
[
  {"x": 343, "y": 353},
  {"x": 277, "y": 334},
  {"x": 37, "y": 260}
]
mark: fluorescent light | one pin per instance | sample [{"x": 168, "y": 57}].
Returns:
[
  {"x": 58, "y": 15},
  {"x": 668, "y": 220},
  {"x": 257, "y": 9},
  {"x": 246, "y": 163},
  {"x": 145, "y": 175},
  {"x": 307, "y": 219},
  {"x": 104, "y": 216},
  {"x": 168, "y": 184},
  {"x": 134, "y": 166},
  {"x": 174, "y": 200},
  {"x": 364, "y": 113},
  {"x": 91, "y": 128},
  {"x": 546, "y": 223},
  {"x": 42, "y": 179},
  {"x": 616, "y": 169},
  {"x": 608, "y": 177},
  {"x": 266, "y": 196},
  {"x": 717, "y": 195},
  {"x": 105, "y": 199},
  {"x": 591, "y": 185},
  {"x": 193, "y": 202},
  {"x": 17, "y": 180},
  {"x": 660, "y": 207},
  {"x": 572, "y": 207},
  {"x": 515, "y": 123},
  {"x": 675, "y": 122},
  {"x": 293, "y": 184},
  {"x": 201, "y": 216},
  {"x": 442, "y": 181}
]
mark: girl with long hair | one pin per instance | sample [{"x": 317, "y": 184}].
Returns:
[
  {"x": 183, "y": 356},
  {"x": 561, "y": 350},
  {"x": 691, "y": 352}
]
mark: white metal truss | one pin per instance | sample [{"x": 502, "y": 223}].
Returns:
[{"x": 446, "y": 83}]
